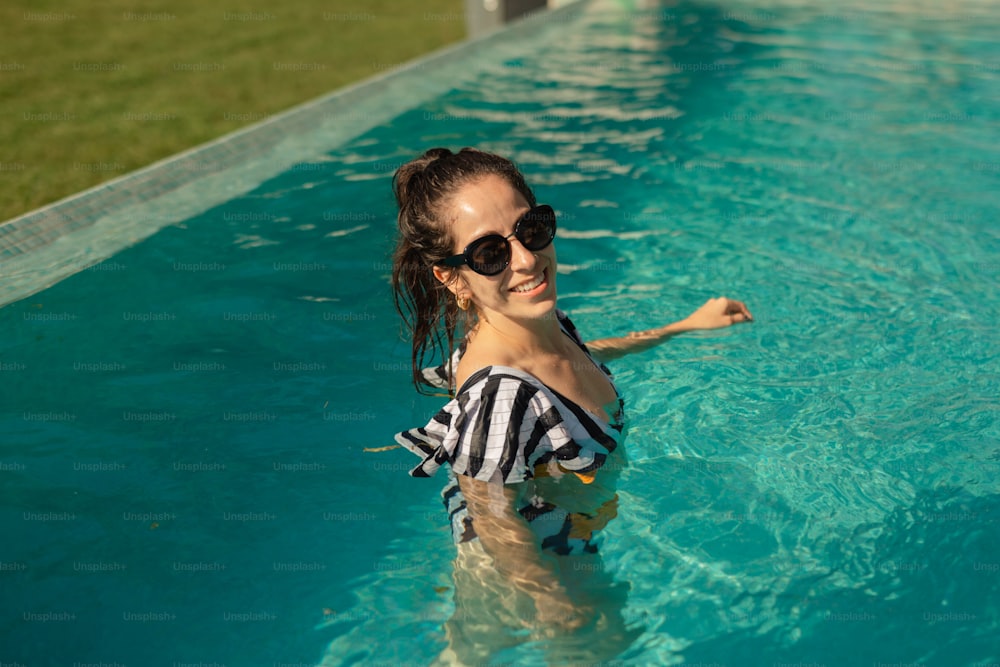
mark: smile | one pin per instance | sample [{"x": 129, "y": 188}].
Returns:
[{"x": 531, "y": 285}]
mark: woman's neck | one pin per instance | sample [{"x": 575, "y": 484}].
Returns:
[{"x": 522, "y": 338}]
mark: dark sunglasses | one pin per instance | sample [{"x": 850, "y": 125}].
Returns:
[{"x": 490, "y": 255}]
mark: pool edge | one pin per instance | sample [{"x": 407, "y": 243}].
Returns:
[{"x": 41, "y": 247}]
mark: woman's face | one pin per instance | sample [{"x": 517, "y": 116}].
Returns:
[{"x": 526, "y": 289}]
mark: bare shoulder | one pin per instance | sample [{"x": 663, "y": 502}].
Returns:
[{"x": 478, "y": 355}]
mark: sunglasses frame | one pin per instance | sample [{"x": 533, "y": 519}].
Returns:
[{"x": 462, "y": 259}]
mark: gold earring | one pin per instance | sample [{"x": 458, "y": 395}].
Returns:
[{"x": 462, "y": 301}]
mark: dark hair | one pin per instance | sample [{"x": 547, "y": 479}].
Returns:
[{"x": 423, "y": 188}]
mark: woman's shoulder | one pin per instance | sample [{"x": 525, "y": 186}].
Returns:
[
  {"x": 471, "y": 371},
  {"x": 478, "y": 363},
  {"x": 497, "y": 381},
  {"x": 470, "y": 361}
]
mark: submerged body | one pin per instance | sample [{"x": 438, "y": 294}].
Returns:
[{"x": 520, "y": 452}]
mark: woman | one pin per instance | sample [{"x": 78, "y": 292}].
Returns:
[{"x": 534, "y": 429}]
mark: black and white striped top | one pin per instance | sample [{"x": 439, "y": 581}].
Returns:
[{"x": 505, "y": 426}]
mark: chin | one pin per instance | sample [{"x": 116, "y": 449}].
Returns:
[{"x": 537, "y": 310}]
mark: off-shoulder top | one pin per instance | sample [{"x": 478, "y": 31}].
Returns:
[{"x": 506, "y": 426}]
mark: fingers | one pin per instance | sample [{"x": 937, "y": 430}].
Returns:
[
  {"x": 737, "y": 310},
  {"x": 720, "y": 312},
  {"x": 742, "y": 310}
]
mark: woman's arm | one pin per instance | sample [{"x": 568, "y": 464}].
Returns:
[
  {"x": 714, "y": 314},
  {"x": 506, "y": 536}
]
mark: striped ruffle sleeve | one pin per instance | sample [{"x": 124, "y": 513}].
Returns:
[{"x": 501, "y": 424}]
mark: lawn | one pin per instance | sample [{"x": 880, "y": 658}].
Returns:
[{"x": 90, "y": 91}]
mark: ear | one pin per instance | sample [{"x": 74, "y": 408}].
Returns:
[{"x": 448, "y": 278}]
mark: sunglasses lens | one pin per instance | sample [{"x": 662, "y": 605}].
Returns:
[
  {"x": 537, "y": 228},
  {"x": 490, "y": 255}
]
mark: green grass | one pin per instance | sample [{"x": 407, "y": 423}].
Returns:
[{"x": 89, "y": 91}]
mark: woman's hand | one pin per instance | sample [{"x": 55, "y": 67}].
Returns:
[{"x": 718, "y": 313}]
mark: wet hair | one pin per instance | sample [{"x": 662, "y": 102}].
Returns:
[{"x": 424, "y": 188}]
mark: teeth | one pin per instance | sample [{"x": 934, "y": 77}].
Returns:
[{"x": 527, "y": 287}]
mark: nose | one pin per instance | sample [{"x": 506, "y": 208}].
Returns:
[{"x": 521, "y": 259}]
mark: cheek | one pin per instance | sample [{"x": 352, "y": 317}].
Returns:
[{"x": 483, "y": 288}]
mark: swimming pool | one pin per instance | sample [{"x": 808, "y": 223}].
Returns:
[{"x": 183, "y": 472}]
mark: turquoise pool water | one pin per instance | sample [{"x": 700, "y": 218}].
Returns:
[{"x": 183, "y": 472}]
